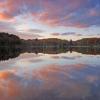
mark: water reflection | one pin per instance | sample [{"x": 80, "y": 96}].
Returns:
[
  {"x": 6, "y": 52},
  {"x": 61, "y": 76},
  {"x": 53, "y": 82}
]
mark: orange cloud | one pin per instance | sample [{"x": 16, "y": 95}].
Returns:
[
  {"x": 4, "y": 16},
  {"x": 4, "y": 75}
]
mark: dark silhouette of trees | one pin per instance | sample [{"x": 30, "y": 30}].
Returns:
[
  {"x": 13, "y": 40},
  {"x": 71, "y": 42},
  {"x": 88, "y": 42},
  {"x": 9, "y": 39}
]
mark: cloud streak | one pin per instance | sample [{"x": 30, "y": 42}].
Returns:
[
  {"x": 65, "y": 34},
  {"x": 50, "y": 12},
  {"x": 79, "y": 14}
]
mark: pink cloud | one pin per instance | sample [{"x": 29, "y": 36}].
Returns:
[
  {"x": 81, "y": 25},
  {"x": 93, "y": 12},
  {"x": 2, "y": 4},
  {"x": 49, "y": 21},
  {"x": 50, "y": 12},
  {"x": 55, "y": 14},
  {"x": 45, "y": 18}
]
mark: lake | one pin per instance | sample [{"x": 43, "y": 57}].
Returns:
[{"x": 51, "y": 74}]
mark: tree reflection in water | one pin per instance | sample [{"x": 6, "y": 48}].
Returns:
[
  {"x": 53, "y": 74},
  {"x": 13, "y": 52}
]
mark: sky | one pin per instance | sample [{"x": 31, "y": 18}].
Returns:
[{"x": 64, "y": 19}]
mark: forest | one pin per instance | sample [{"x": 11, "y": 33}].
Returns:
[{"x": 13, "y": 40}]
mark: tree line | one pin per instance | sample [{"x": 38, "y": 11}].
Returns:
[
  {"x": 9, "y": 39},
  {"x": 13, "y": 40}
]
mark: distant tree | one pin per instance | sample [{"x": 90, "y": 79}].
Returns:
[
  {"x": 36, "y": 39},
  {"x": 71, "y": 42}
]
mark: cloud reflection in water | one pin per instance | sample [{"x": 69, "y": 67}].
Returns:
[{"x": 51, "y": 82}]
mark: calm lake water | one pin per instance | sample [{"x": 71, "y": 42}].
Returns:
[{"x": 44, "y": 76}]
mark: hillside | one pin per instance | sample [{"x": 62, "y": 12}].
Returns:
[
  {"x": 13, "y": 40},
  {"x": 9, "y": 39}
]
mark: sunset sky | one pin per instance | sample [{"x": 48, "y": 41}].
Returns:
[{"x": 65, "y": 19}]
